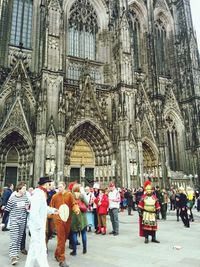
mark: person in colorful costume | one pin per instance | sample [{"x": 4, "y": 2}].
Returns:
[{"x": 148, "y": 209}]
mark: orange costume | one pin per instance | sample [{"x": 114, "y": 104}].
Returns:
[{"x": 62, "y": 228}]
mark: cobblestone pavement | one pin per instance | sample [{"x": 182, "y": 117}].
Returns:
[{"x": 179, "y": 247}]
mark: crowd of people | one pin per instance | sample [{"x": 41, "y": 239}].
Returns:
[{"x": 65, "y": 211}]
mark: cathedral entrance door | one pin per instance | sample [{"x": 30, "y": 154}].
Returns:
[
  {"x": 11, "y": 175},
  {"x": 75, "y": 175},
  {"x": 89, "y": 177}
]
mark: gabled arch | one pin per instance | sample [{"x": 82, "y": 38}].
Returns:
[{"x": 93, "y": 135}]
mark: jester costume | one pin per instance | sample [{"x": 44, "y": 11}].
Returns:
[{"x": 148, "y": 208}]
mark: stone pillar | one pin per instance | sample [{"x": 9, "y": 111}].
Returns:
[
  {"x": 60, "y": 156},
  {"x": 39, "y": 168}
]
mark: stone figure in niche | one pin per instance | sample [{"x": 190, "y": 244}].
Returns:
[{"x": 51, "y": 148}]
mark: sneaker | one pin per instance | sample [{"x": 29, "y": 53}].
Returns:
[
  {"x": 63, "y": 264},
  {"x": 24, "y": 251},
  {"x": 84, "y": 251},
  {"x": 14, "y": 260}
]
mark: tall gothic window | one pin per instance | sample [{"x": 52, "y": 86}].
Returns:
[
  {"x": 160, "y": 44},
  {"x": 21, "y": 26},
  {"x": 173, "y": 145},
  {"x": 83, "y": 29},
  {"x": 136, "y": 44}
]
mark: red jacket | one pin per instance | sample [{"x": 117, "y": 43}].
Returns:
[{"x": 102, "y": 205}]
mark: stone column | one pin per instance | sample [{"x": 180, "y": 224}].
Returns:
[
  {"x": 39, "y": 168},
  {"x": 60, "y": 156}
]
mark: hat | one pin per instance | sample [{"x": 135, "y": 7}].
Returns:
[
  {"x": 70, "y": 186},
  {"x": 44, "y": 180},
  {"x": 111, "y": 184},
  {"x": 147, "y": 185},
  {"x": 96, "y": 185}
]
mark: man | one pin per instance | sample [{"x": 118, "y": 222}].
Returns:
[
  {"x": 159, "y": 196},
  {"x": 183, "y": 207},
  {"x": 37, "y": 224},
  {"x": 129, "y": 196},
  {"x": 114, "y": 201},
  {"x": 6, "y": 195},
  {"x": 62, "y": 227},
  {"x": 148, "y": 208}
]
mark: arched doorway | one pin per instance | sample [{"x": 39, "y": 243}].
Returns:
[
  {"x": 150, "y": 162},
  {"x": 16, "y": 161},
  {"x": 82, "y": 162},
  {"x": 90, "y": 141}
]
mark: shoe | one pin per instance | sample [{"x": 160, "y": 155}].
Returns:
[
  {"x": 73, "y": 253},
  {"x": 111, "y": 233},
  {"x": 146, "y": 241},
  {"x": 63, "y": 264},
  {"x": 5, "y": 229},
  {"x": 84, "y": 251},
  {"x": 14, "y": 260},
  {"x": 104, "y": 233},
  {"x": 24, "y": 251},
  {"x": 155, "y": 240},
  {"x": 115, "y": 234}
]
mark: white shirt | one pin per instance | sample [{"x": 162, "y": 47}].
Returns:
[{"x": 114, "y": 199}]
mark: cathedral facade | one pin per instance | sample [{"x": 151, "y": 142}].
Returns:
[{"x": 99, "y": 90}]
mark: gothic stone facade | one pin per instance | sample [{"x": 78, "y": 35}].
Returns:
[{"x": 96, "y": 90}]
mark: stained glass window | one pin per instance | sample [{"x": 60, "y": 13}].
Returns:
[
  {"x": 83, "y": 28},
  {"x": 160, "y": 45},
  {"x": 21, "y": 27}
]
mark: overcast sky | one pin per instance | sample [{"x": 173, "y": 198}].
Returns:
[{"x": 195, "y": 6}]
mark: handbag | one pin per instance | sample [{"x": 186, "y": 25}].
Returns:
[{"x": 82, "y": 205}]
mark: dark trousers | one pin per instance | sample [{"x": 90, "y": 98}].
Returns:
[
  {"x": 184, "y": 217},
  {"x": 177, "y": 213},
  {"x": 147, "y": 233},
  {"x": 95, "y": 219},
  {"x": 84, "y": 239},
  {"x": 114, "y": 219},
  {"x": 130, "y": 208},
  {"x": 164, "y": 211}
]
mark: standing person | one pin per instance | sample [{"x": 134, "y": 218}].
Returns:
[
  {"x": 17, "y": 207},
  {"x": 177, "y": 204},
  {"x": 129, "y": 196},
  {"x": 96, "y": 193},
  {"x": 159, "y": 196},
  {"x": 191, "y": 202},
  {"x": 63, "y": 227},
  {"x": 6, "y": 195},
  {"x": 114, "y": 201},
  {"x": 50, "y": 223},
  {"x": 79, "y": 220},
  {"x": 164, "y": 204},
  {"x": 102, "y": 210},
  {"x": 183, "y": 207},
  {"x": 37, "y": 224},
  {"x": 148, "y": 208},
  {"x": 89, "y": 214}
]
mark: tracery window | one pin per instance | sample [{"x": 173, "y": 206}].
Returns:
[
  {"x": 83, "y": 28},
  {"x": 136, "y": 43},
  {"x": 173, "y": 145},
  {"x": 160, "y": 45},
  {"x": 21, "y": 26}
]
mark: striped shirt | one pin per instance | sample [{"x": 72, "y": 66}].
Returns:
[{"x": 16, "y": 206}]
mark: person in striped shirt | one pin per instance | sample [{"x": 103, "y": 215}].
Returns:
[{"x": 17, "y": 206}]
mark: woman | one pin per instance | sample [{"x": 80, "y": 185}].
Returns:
[
  {"x": 17, "y": 206},
  {"x": 79, "y": 221},
  {"x": 102, "y": 210},
  {"x": 89, "y": 214}
]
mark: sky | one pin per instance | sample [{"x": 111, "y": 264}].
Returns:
[{"x": 195, "y": 7}]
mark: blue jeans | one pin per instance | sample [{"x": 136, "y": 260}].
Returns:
[{"x": 84, "y": 239}]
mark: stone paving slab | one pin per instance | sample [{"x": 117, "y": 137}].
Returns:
[{"x": 128, "y": 249}]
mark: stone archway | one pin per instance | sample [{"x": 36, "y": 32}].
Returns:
[
  {"x": 150, "y": 161},
  {"x": 97, "y": 146},
  {"x": 16, "y": 161}
]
